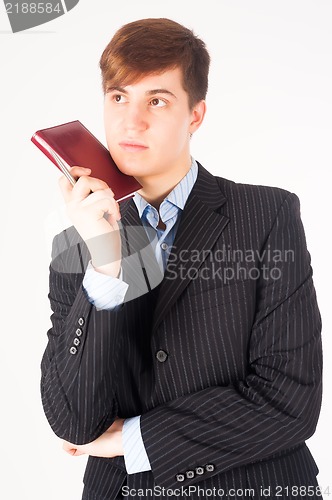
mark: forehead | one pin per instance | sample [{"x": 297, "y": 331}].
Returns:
[{"x": 170, "y": 80}]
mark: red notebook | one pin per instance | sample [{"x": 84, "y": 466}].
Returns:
[{"x": 72, "y": 144}]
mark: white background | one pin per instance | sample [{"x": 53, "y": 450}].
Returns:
[{"x": 268, "y": 122}]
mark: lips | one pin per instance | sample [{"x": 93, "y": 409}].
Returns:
[{"x": 132, "y": 146}]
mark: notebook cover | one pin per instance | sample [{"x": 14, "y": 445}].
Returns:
[{"x": 76, "y": 145}]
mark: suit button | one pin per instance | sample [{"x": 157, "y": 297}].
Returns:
[
  {"x": 179, "y": 478},
  {"x": 190, "y": 474},
  {"x": 81, "y": 321},
  {"x": 209, "y": 468},
  {"x": 161, "y": 356},
  {"x": 79, "y": 332},
  {"x": 199, "y": 471},
  {"x": 73, "y": 350}
]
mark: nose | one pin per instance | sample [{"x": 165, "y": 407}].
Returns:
[{"x": 135, "y": 118}]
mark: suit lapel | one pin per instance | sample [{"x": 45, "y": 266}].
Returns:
[
  {"x": 140, "y": 267},
  {"x": 199, "y": 229}
]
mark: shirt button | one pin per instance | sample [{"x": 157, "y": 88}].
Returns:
[
  {"x": 161, "y": 356},
  {"x": 81, "y": 321},
  {"x": 78, "y": 332},
  {"x": 179, "y": 477},
  {"x": 199, "y": 471},
  {"x": 164, "y": 246},
  {"x": 209, "y": 468},
  {"x": 76, "y": 342},
  {"x": 73, "y": 350},
  {"x": 190, "y": 474}
]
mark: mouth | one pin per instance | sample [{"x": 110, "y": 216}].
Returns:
[{"x": 132, "y": 146}]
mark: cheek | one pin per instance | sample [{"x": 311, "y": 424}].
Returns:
[
  {"x": 111, "y": 120},
  {"x": 111, "y": 130},
  {"x": 172, "y": 131},
  {"x": 178, "y": 133}
]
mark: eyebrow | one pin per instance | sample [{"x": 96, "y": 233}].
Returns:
[{"x": 148, "y": 92}]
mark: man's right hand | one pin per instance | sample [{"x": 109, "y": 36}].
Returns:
[{"x": 95, "y": 214}]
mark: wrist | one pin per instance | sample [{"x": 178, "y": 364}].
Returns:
[
  {"x": 117, "y": 428},
  {"x": 105, "y": 252},
  {"x": 113, "y": 269}
]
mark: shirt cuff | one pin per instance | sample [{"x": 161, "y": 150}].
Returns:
[
  {"x": 135, "y": 456},
  {"x": 103, "y": 291}
]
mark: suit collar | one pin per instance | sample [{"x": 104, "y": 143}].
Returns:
[{"x": 206, "y": 188}]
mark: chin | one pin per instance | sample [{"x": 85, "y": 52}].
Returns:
[
  {"x": 129, "y": 168},
  {"x": 130, "y": 163}
]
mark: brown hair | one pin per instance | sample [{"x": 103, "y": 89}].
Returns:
[{"x": 154, "y": 45}]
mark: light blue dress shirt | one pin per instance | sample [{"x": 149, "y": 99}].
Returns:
[{"x": 106, "y": 292}]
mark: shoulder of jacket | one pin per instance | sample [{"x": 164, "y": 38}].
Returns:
[{"x": 254, "y": 193}]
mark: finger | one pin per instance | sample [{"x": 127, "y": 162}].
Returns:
[
  {"x": 72, "y": 449},
  {"x": 77, "y": 171},
  {"x": 86, "y": 185},
  {"x": 104, "y": 208},
  {"x": 66, "y": 186},
  {"x": 100, "y": 194},
  {"x": 69, "y": 448},
  {"x": 103, "y": 197},
  {"x": 78, "y": 453},
  {"x": 112, "y": 221}
]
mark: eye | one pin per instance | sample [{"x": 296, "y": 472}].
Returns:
[
  {"x": 119, "y": 98},
  {"x": 157, "y": 103}
]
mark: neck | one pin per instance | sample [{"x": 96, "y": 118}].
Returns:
[{"x": 156, "y": 188}]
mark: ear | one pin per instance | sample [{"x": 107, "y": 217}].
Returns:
[{"x": 198, "y": 113}]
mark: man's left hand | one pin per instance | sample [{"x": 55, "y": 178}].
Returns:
[{"x": 108, "y": 445}]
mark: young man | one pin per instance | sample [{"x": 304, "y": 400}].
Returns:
[{"x": 185, "y": 352}]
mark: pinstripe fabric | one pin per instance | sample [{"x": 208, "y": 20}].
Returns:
[
  {"x": 170, "y": 210},
  {"x": 236, "y": 317}
]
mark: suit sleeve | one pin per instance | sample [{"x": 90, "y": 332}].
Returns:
[
  {"x": 276, "y": 406},
  {"x": 78, "y": 382}
]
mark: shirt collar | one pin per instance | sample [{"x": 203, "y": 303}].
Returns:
[{"x": 178, "y": 196}]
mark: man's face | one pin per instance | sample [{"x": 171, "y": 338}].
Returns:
[{"x": 148, "y": 124}]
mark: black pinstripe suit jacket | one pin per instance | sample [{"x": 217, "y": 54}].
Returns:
[{"x": 222, "y": 359}]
